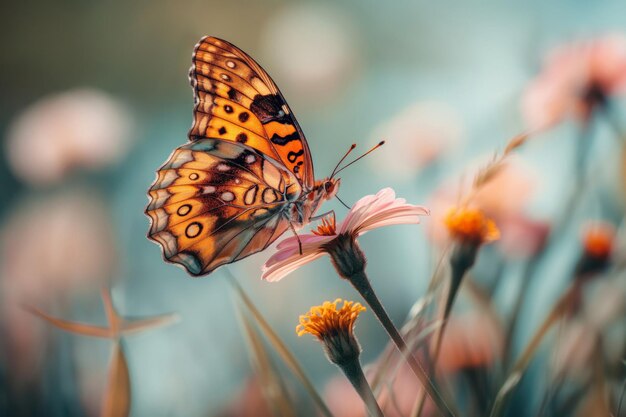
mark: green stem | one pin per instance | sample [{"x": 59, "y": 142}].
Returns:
[
  {"x": 361, "y": 283},
  {"x": 458, "y": 270},
  {"x": 355, "y": 375},
  {"x": 456, "y": 277}
]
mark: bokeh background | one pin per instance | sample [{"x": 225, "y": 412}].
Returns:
[{"x": 95, "y": 96}]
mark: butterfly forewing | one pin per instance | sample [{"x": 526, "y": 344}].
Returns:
[
  {"x": 236, "y": 100},
  {"x": 215, "y": 202}
]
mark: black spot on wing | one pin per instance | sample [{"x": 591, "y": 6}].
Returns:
[
  {"x": 283, "y": 140},
  {"x": 233, "y": 94},
  {"x": 269, "y": 108},
  {"x": 292, "y": 156}
]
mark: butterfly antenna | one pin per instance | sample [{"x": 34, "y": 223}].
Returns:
[
  {"x": 343, "y": 158},
  {"x": 341, "y": 201},
  {"x": 381, "y": 143}
]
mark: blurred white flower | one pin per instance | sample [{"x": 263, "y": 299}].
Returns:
[
  {"x": 50, "y": 248},
  {"x": 313, "y": 47},
  {"x": 72, "y": 130},
  {"x": 415, "y": 137}
]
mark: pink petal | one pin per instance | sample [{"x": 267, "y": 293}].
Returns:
[
  {"x": 365, "y": 206},
  {"x": 305, "y": 239},
  {"x": 279, "y": 266},
  {"x": 379, "y": 210},
  {"x": 405, "y": 214}
]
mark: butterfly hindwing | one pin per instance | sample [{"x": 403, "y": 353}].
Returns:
[
  {"x": 215, "y": 202},
  {"x": 236, "y": 100}
]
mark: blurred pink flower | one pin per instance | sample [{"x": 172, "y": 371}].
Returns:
[
  {"x": 471, "y": 340},
  {"x": 50, "y": 248},
  {"x": 576, "y": 78},
  {"x": 501, "y": 199},
  {"x": 370, "y": 212},
  {"x": 396, "y": 399},
  {"x": 415, "y": 137},
  {"x": 522, "y": 237},
  {"x": 78, "y": 129},
  {"x": 250, "y": 401}
]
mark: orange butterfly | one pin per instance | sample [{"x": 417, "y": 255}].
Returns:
[{"x": 246, "y": 174}]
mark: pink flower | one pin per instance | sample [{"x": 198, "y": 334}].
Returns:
[
  {"x": 416, "y": 137},
  {"x": 59, "y": 134},
  {"x": 396, "y": 397},
  {"x": 370, "y": 212},
  {"x": 471, "y": 340},
  {"x": 503, "y": 197},
  {"x": 523, "y": 237},
  {"x": 575, "y": 79},
  {"x": 250, "y": 401}
]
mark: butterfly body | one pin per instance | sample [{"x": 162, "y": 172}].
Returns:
[{"x": 244, "y": 177}]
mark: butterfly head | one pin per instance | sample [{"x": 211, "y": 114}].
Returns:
[{"x": 329, "y": 187}]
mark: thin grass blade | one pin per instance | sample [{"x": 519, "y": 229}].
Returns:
[
  {"x": 282, "y": 349},
  {"x": 71, "y": 326},
  {"x": 116, "y": 402},
  {"x": 272, "y": 385}
]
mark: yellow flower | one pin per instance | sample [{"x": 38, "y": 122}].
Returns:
[
  {"x": 327, "y": 319},
  {"x": 334, "y": 326},
  {"x": 469, "y": 225}
]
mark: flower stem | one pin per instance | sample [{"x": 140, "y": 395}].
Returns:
[
  {"x": 456, "y": 277},
  {"x": 457, "y": 273},
  {"x": 353, "y": 371},
  {"x": 361, "y": 283}
]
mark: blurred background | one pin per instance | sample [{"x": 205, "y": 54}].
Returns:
[{"x": 95, "y": 96}]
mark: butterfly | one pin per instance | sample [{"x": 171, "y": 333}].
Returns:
[{"x": 244, "y": 177}]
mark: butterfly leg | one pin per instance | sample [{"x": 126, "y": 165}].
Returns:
[
  {"x": 321, "y": 216},
  {"x": 293, "y": 229}
]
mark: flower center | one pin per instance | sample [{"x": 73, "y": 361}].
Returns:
[
  {"x": 598, "y": 241},
  {"x": 471, "y": 225},
  {"x": 326, "y": 228}
]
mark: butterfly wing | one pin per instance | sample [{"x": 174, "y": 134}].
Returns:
[
  {"x": 215, "y": 202},
  {"x": 236, "y": 100}
]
